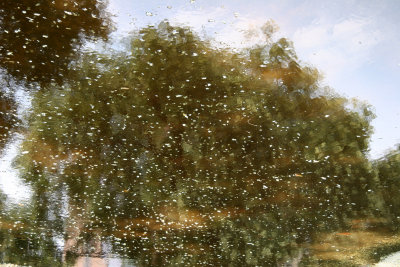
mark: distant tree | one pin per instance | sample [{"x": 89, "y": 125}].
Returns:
[{"x": 388, "y": 168}]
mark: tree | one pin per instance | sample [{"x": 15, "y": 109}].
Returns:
[
  {"x": 174, "y": 126},
  {"x": 41, "y": 38},
  {"x": 388, "y": 168},
  {"x": 8, "y": 119}
]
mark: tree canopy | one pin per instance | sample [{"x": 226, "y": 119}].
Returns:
[
  {"x": 41, "y": 38},
  {"x": 180, "y": 141}
]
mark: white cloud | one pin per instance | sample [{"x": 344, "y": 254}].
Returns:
[
  {"x": 223, "y": 25},
  {"x": 338, "y": 48}
]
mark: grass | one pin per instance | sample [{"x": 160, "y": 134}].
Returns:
[{"x": 375, "y": 254}]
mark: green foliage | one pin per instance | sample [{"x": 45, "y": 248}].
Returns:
[
  {"x": 177, "y": 125},
  {"x": 8, "y": 119},
  {"x": 388, "y": 168},
  {"x": 376, "y": 254},
  {"x": 23, "y": 239},
  {"x": 41, "y": 38}
]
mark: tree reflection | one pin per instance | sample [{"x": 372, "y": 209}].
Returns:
[
  {"x": 23, "y": 238},
  {"x": 41, "y": 38},
  {"x": 8, "y": 119},
  {"x": 177, "y": 153},
  {"x": 388, "y": 168}
]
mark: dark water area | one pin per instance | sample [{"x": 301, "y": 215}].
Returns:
[{"x": 177, "y": 152}]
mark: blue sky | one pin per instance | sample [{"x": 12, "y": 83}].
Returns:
[{"x": 355, "y": 44}]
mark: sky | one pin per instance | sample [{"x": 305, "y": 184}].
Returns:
[
  {"x": 354, "y": 44},
  {"x": 10, "y": 183}
]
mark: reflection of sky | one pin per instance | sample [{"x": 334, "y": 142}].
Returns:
[
  {"x": 9, "y": 182},
  {"x": 353, "y": 43}
]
